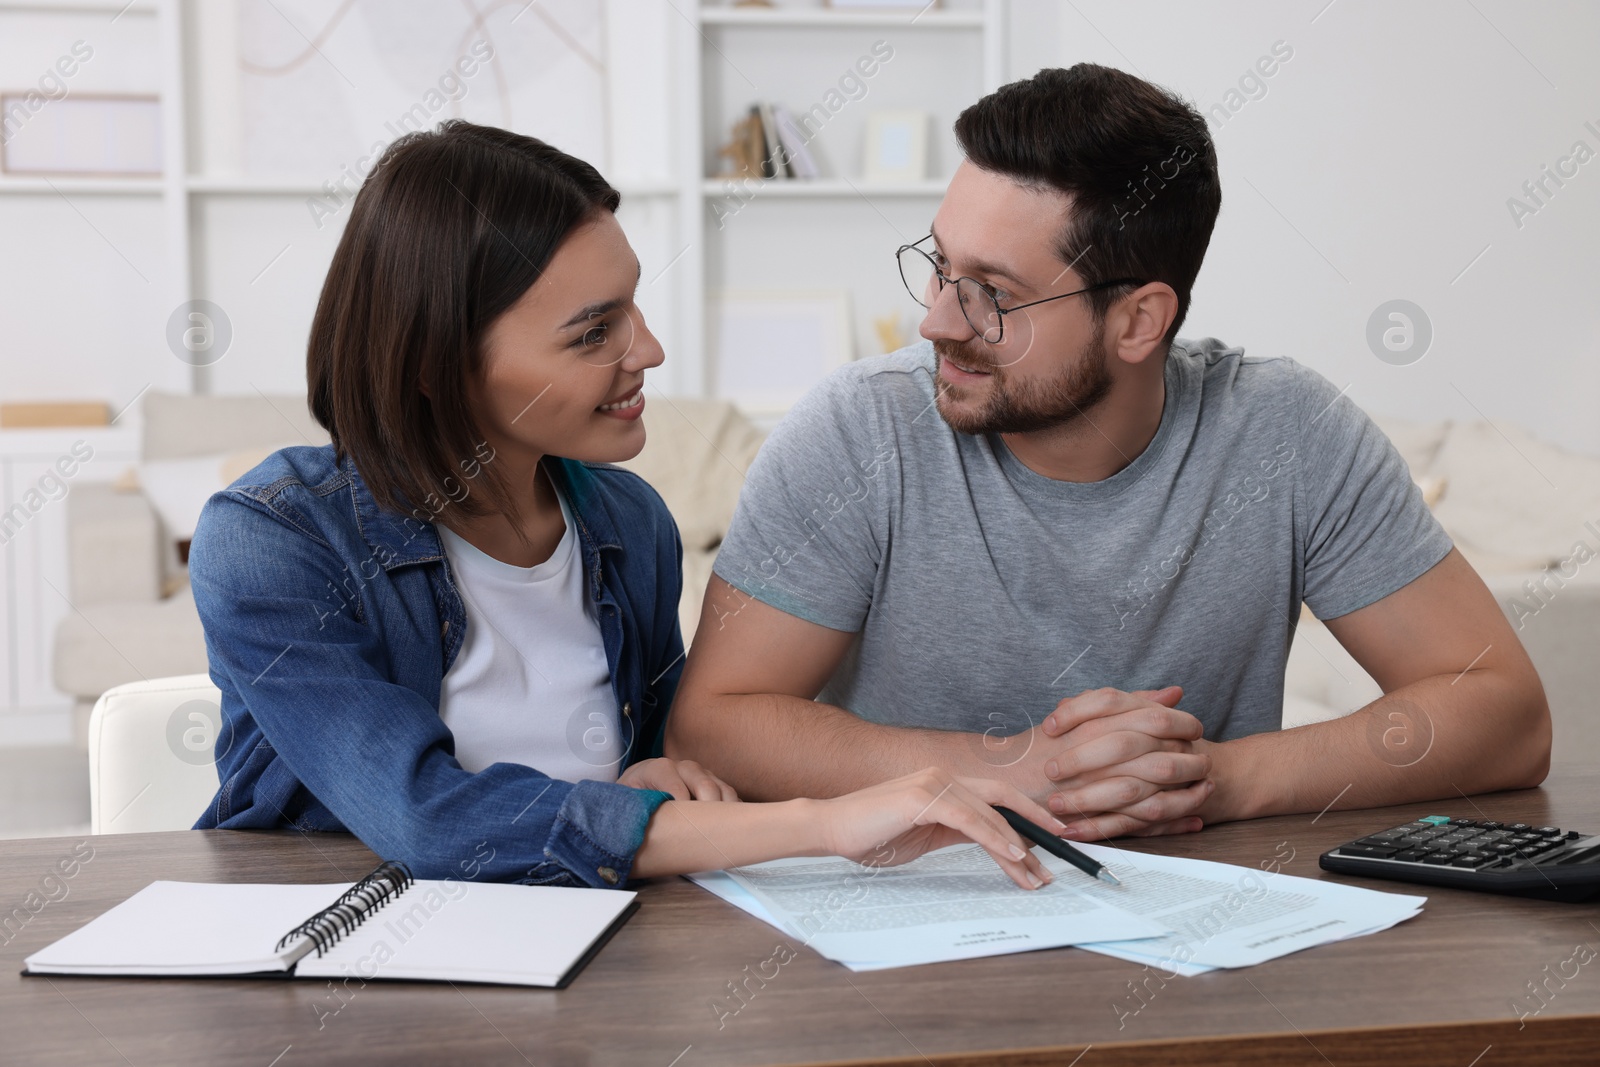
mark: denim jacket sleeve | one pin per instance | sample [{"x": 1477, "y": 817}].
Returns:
[
  {"x": 665, "y": 664},
  {"x": 373, "y": 752}
]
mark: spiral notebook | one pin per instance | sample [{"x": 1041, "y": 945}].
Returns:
[{"x": 387, "y": 925}]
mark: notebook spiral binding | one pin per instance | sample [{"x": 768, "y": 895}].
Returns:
[{"x": 385, "y": 882}]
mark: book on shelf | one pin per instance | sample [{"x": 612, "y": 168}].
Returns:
[
  {"x": 772, "y": 164},
  {"x": 768, "y": 143},
  {"x": 802, "y": 164}
]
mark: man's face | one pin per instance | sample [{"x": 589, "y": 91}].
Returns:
[{"x": 1049, "y": 367}]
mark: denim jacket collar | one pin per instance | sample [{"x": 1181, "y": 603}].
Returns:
[{"x": 401, "y": 540}]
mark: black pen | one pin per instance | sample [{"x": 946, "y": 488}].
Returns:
[{"x": 1057, "y": 847}]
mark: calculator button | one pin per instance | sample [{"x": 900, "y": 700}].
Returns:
[
  {"x": 1550, "y": 831},
  {"x": 1501, "y": 848},
  {"x": 1410, "y": 855},
  {"x": 1463, "y": 822},
  {"x": 1375, "y": 852},
  {"x": 1472, "y": 862},
  {"x": 1437, "y": 820},
  {"x": 1378, "y": 842},
  {"x": 1519, "y": 828},
  {"x": 1573, "y": 835},
  {"x": 1437, "y": 859},
  {"x": 1490, "y": 825}
]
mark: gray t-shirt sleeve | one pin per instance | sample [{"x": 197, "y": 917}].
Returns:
[
  {"x": 808, "y": 533},
  {"x": 1366, "y": 530}
]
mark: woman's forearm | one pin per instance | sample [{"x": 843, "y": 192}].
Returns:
[{"x": 688, "y": 835}]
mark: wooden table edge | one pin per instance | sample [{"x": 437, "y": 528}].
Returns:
[{"x": 1557, "y": 1040}]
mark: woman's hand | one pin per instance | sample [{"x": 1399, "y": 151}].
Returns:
[
  {"x": 897, "y": 821},
  {"x": 683, "y": 778}
]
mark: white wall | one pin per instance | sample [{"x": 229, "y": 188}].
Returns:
[{"x": 1376, "y": 166}]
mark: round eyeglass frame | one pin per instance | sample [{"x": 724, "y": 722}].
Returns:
[{"x": 999, "y": 329}]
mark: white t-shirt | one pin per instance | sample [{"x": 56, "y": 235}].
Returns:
[{"x": 530, "y": 683}]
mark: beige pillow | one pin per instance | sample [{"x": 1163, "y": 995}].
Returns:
[
  {"x": 695, "y": 455},
  {"x": 1514, "y": 498},
  {"x": 179, "y": 488},
  {"x": 1417, "y": 442}
]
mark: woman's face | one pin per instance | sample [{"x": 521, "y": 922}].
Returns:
[{"x": 564, "y": 366}]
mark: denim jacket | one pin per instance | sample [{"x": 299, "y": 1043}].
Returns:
[{"x": 330, "y": 624}]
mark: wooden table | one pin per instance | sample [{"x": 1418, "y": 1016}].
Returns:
[{"x": 1440, "y": 988}]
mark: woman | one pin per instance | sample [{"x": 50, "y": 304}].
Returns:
[{"x": 451, "y": 629}]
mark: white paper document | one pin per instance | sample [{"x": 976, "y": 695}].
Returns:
[
  {"x": 957, "y": 904},
  {"x": 952, "y": 904},
  {"x": 1225, "y": 915}
]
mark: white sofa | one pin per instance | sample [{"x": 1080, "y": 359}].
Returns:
[
  {"x": 1517, "y": 508},
  {"x": 1514, "y": 505}
]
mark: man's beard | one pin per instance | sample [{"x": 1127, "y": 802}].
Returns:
[{"x": 1028, "y": 405}]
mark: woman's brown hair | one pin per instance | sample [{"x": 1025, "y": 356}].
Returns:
[{"x": 448, "y": 231}]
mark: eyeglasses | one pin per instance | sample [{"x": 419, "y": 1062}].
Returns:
[{"x": 979, "y": 305}]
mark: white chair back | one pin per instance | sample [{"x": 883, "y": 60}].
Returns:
[{"x": 151, "y": 754}]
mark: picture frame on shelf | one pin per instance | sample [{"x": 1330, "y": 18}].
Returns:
[
  {"x": 897, "y": 146},
  {"x": 883, "y": 5},
  {"x": 769, "y": 347}
]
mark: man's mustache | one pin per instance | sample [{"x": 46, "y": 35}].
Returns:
[{"x": 958, "y": 353}]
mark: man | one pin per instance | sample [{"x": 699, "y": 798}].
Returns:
[{"x": 937, "y": 548}]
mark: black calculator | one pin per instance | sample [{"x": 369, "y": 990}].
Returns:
[{"x": 1543, "y": 862}]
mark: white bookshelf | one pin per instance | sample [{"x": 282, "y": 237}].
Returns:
[
  {"x": 203, "y": 219},
  {"x": 837, "y": 231}
]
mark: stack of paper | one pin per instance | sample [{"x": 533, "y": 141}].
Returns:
[
  {"x": 948, "y": 905},
  {"x": 1187, "y": 916},
  {"x": 1224, "y": 915}
]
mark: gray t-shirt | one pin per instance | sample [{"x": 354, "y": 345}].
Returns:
[{"x": 983, "y": 593}]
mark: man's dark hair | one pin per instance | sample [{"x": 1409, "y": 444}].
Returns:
[
  {"x": 1136, "y": 160},
  {"x": 448, "y": 231}
]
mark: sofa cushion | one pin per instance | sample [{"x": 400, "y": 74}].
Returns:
[
  {"x": 1417, "y": 442},
  {"x": 182, "y": 427},
  {"x": 1513, "y": 501},
  {"x": 105, "y": 645},
  {"x": 695, "y": 455},
  {"x": 179, "y": 488}
]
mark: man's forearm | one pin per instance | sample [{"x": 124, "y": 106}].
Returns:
[
  {"x": 1440, "y": 737},
  {"x": 774, "y": 747}
]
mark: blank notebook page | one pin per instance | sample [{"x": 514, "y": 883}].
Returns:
[
  {"x": 474, "y": 932},
  {"x": 189, "y": 928}
]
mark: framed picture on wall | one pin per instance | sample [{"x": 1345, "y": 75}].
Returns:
[{"x": 769, "y": 347}]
